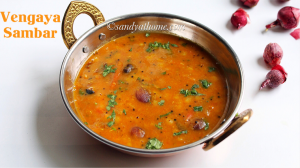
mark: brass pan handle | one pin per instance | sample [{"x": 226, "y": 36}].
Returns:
[
  {"x": 74, "y": 9},
  {"x": 235, "y": 124}
]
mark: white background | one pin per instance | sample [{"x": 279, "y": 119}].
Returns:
[{"x": 36, "y": 129}]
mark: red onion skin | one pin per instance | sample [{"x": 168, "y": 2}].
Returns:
[
  {"x": 273, "y": 54},
  {"x": 239, "y": 18},
  {"x": 250, "y": 3},
  {"x": 287, "y": 17},
  {"x": 275, "y": 77},
  {"x": 296, "y": 34}
]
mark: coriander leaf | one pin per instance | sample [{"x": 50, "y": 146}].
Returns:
[
  {"x": 111, "y": 102},
  {"x": 149, "y": 50},
  {"x": 163, "y": 88},
  {"x": 81, "y": 92},
  {"x": 113, "y": 128},
  {"x": 164, "y": 73},
  {"x": 112, "y": 116},
  {"x": 167, "y": 46},
  {"x": 236, "y": 115},
  {"x": 130, "y": 50},
  {"x": 179, "y": 133},
  {"x": 165, "y": 114},
  {"x": 115, "y": 92},
  {"x": 198, "y": 108},
  {"x": 112, "y": 96},
  {"x": 156, "y": 45},
  {"x": 169, "y": 87},
  {"x": 108, "y": 69},
  {"x": 162, "y": 102},
  {"x": 185, "y": 92},
  {"x": 205, "y": 83},
  {"x": 194, "y": 92},
  {"x": 110, "y": 123},
  {"x": 210, "y": 69},
  {"x": 195, "y": 86},
  {"x": 147, "y": 34},
  {"x": 139, "y": 78},
  {"x": 128, "y": 60},
  {"x": 174, "y": 45},
  {"x": 154, "y": 144},
  {"x": 86, "y": 123},
  {"x": 184, "y": 44},
  {"x": 124, "y": 111},
  {"x": 158, "y": 125},
  {"x": 206, "y": 126}
]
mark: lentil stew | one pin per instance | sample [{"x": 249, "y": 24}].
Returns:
[{"x": 151, "y": 90}]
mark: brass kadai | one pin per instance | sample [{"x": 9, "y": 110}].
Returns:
[{"x": 80, "y": 49}]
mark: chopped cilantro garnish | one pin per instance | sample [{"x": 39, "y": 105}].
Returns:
[
  {"x": 210, "y": 69},
  {"x": 174, "y": 45},
  {"x": 86, "y": 123},
  {"x": 156, "y": 45},
  {"x": 195, "y": 86},
  {"x": 166, "y": 46},
  {"x": 185, "y": 92},
  {"x": 81, "y": 92},
  {"x": 108, "y": 69},
  {"x": 164, "y": 73},
  {"x": 236, "y": 115},
  {"x": 115, "y": 92},
  {"x": 96, "y": 103},
  {"x": 205, "y": 83},
  {"x": 169, "y": 87},
  {"x": 139, "y": 78},
  {"x": 130, "y": 50},
  {"x": 149, "y": 49},
  {"x": 184, "y": 44},
  {"x": 163, "y": 88},
  {"x": 158, "y": 125},
  {"x": 165, "y": 114},
  {"x": 128, "y": 60},
  {"x": 111, "y": 102},
  {"x": 147, "y": 34},
  {"x": 111, "y": 123},
  {"x": 179, "y": 133},
  {"x": 162, "y": 102},
  {"x": 120, "y": 82},
  {"x": 192, "y": 92},
  {"x": 113, "y": 117},
  {"x": 124, "y": 111},
  {"x": 206, "y": 126},
  {"x": 198, "y": 108},
  {"x": 113, "y": 129},
  {"x": 154, "y": 144}
]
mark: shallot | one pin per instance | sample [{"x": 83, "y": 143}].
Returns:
[
  {"x": 287, "y": 17},
  {"x": 296, "y": 34},
  {"x": 275, "y": 77},
  {"x": 250, "y": 3},
  {"x": 273, "y": 54},
  {"x": 239, "y": 18}
]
